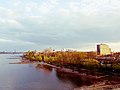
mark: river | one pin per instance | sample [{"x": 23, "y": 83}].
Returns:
[
  {"x": 28, "y": 77},
  {"x": 32, "y": 77}
]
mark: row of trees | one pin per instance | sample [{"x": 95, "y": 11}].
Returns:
[
  {"x": 63, "y": 58},
  {"x": 69, "y": 59}
]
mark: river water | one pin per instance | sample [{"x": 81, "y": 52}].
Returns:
[{"x": 32, "y": 77}]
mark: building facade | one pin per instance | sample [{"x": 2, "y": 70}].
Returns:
[{"x": 103, "y": 49}]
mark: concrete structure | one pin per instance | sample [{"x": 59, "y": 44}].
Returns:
[{"x": 103, "y": 49}]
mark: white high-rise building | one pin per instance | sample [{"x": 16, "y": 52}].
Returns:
[{"x": 103, "y": 49}]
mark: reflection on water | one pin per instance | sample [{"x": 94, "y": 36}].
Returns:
[
  {"x": 28, "y": 77},
  {"x": 34, "y": 76},
  {"x": 45, "y": 68},
  {"x": 76, "y": 80}
]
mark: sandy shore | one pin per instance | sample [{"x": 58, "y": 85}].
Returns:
[
  {"x": 21, "y": 62},
  {"x": 100, "y": 86}
]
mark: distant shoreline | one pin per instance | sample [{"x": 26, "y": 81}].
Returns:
[{"x": 12, "y": 52}]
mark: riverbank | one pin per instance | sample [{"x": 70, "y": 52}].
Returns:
[
  {"x": 96, "y": 82},
  {"x": 100, "y": 86},
  {"x": 106, "y": 82}
]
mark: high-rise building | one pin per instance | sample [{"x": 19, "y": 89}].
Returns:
[{"x": 103, "y": 49}]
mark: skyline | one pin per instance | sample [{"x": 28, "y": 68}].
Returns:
[{"x": 73, "y": 24}]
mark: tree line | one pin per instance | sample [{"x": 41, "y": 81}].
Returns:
[{"x": 71, "y": 59}]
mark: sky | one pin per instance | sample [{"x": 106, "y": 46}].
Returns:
[{"x": 59, "y": 24}]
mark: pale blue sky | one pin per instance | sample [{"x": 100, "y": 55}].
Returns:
[{"x": 74, "y": 24}]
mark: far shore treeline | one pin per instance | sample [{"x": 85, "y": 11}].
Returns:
[{"x": 74, "y": 60}]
